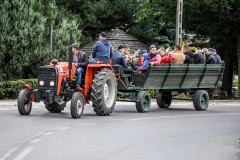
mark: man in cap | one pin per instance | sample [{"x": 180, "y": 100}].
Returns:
[
  {"x": 102, "y": 50},
  {"x": 119, "y": 58},
  {"x": 209, "y": 57},
  {"x": 152, "y": 58},
  {"x": 217, "y": 58}
]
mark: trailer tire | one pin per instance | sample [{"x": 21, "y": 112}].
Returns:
[
  {"x": 24, "y": 104},
  {"x": 164, "y": 99},
  {"x": 201, "y": 100},
  {"x": 104, "y": 92},
  {"x": 222, "y": 95},
  {"x": 77, "y": 105},
  {"x": 144, "y": 102},
  {"x": 210, "y": 95},
  {"x": 56, "y": 107}
]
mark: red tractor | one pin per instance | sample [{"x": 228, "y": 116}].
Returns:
[{"x": 56, "y": 86}]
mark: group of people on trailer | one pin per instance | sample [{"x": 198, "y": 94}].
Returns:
[{"x": 139, "y": 61}]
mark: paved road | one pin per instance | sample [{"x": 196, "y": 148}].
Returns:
[{"x": 178, "y": 133}]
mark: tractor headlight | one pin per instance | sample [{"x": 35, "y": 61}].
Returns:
[
  {"x": 41, "y": 83},
  {"x": 52, "y": 83}
]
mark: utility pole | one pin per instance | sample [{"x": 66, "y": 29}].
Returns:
[
  {"x": 51, "y": 38},
  {"x": 179, "y": 22}
]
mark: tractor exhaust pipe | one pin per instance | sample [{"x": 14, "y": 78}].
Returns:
[{"x": 70, "y": 56}]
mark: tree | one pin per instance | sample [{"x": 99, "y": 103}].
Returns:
[
  {"x": 25, "y": 36},
  {"x": 101, "y": 15}
]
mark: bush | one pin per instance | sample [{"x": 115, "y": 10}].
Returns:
[{"x": 10, "y": 89}]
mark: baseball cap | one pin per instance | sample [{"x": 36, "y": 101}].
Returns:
[{"x": 103, "y": 34}]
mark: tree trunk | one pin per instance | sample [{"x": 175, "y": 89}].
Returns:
[
  {"x": 238, "y": 54},
  {"x": 228, "y": 73}
]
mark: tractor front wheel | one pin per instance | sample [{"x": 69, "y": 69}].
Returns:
[
  {"x": 104, "y": 91},
  {"x": 77, "y": 105},
  {"x": 24, "y": 102}
]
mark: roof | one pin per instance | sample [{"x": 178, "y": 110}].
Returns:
[{"x": 118, "y": 37}]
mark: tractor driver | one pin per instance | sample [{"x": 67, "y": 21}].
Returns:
[
  {"x": 81, "y": 62},
  {"x": 102, "y": 50}
]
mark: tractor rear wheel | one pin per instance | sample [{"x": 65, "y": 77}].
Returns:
[
  {"x": 104, "y": 91},
  {"x": 77, "y": 105},
  {"x": 144, "y": 102},
  {"x": 24, "y": 102},
  {"x": 56, "y": 107},
  {"x": 201, "y": 100},
  {"x": 164, "y": 99}
]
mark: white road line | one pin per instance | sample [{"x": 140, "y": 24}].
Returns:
[
  {"x": 8, "y": 154},
  {"x": 83, "y": 124},
  {"x": 179, "y": 116},
  {"x": 40, "y": 133},
  {"x": 24, "y": 153},
  {"x": 63, "y": 128},
  {"x": 57, "y": 128},
  {"x": 35, "y": 140},
  {"x": 48, "y": 133}
]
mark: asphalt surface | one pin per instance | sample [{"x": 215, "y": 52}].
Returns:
[{"x": 178, "y": 133}]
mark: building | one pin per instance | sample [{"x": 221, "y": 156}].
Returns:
[{"x": 118, "y": 37}]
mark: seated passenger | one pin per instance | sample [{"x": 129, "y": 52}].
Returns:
[
  {"x": 189, "y": 56},
  {"x": 177, "y": 55},
  {"x": 141, "y": 57},
  {"x": 81, "y": 61},
  {"x": 217, "y": 58},
  {"x": 165, "y": 59},
  {"x": 118, "y": 58},
  {"x": 198, "y": 57},
  {"x": 102, "y": 50},
  {"x": 153, "y": 58},
  {"x": 210, "y": 57}
]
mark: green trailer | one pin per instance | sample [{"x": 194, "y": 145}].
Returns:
[{"x": 195, "y": 79}]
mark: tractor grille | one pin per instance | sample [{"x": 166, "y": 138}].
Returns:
[{"x": 47, "y": 74}]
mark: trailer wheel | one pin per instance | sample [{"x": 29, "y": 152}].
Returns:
[
  {"x": 56, "y": 107},
  {"x": 104, "y": 92},
  {"x": 24, "y": 102},
  {"x": 144, "y": 102},
  {"x": 164, "y": 99},
  {"x": 222, "y": 95},
  {"x": 210, "y": 95},
  {"x": 201, "y": 100},
  {"x": 77, "y": 105}
]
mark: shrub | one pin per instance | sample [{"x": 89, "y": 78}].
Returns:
[{"x": 10, "y": 89}]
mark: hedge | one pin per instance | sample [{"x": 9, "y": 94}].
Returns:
[{"x": 10, "y": 89}]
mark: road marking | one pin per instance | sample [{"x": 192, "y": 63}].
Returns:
[
  {"x": 40, "y": 133},
  {"x": 48, "y": 133},
  {"x": 8, "y": 154},
  {"x": 63, "y": 128},
  {"x": 83, "y": 124},
  {"x": 24, "y": 153},
  {"x": 57, "y": 128},
  {"x": 35, "y": 140},
  {"x": 179, "y": 116}
]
